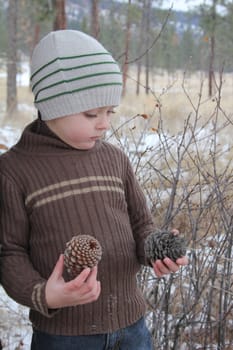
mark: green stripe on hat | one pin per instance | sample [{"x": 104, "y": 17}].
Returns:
[
  {"x": 67, "y": 58},
  {"x": 74, "y": 79},
  {"x": 76, "y": 90},
  {"x": 70, "y": 68}
]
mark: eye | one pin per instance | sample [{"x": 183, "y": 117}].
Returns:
[
  {"x": 89, "y": 115},
  {"x": 111, "y": 111}
]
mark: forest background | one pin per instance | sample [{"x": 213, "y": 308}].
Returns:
[{"x": 175, "y": 124}]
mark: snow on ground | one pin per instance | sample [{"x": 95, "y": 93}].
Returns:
[
  {"x": 15, "y": 328},
  {"x": 23, "y": 76},
  {"x": 8, "y": 137}
]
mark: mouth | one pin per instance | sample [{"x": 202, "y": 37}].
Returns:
[{"x": 95, "y": 138}]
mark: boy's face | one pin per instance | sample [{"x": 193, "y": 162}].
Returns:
[{"x": 83, "y": 129}]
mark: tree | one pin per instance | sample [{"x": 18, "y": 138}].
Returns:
[
  {"x": 147, "y": 18},
  {"x": 186, "y": 52},
  {"x": 111, "y": 33},
  {"x": 3, "y": 24},
  {"x": 213, "y": 16},
  {"x": 141, "y": 45},
  {"x": 127, "y": 41},
  {"x": 12, "y": 56},
  {"x": 60, "y": 14},
  {"x": 95, "y": 28},
  {"x": 224, "y": 38},
  {"x": 210, "y": 19}
]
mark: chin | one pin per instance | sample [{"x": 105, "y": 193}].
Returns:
[{"x": 85, "y": 146}]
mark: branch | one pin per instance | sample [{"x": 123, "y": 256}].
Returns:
[{"x": 155, "y": 40}]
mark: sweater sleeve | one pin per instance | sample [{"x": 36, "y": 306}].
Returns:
[
  {"x": 18, "y": 276},
  {"x": 139, "y": 213}
]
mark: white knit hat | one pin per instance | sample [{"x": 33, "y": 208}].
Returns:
[{"x": 72, "y": 73}]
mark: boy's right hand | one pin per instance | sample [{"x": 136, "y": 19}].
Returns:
[{"x": 82, "y": 290}]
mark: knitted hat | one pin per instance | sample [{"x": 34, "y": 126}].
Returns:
[{"x": 72, "y": 73}]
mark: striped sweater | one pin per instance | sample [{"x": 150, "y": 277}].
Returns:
[{"x": 51, "y": 192}]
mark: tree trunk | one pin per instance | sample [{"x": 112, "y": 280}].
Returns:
[
  {"x": 12, "y": 56},
  {"x": 60, "y": 17},
  {"x": 126, "y": 56},
  {"x": 95, "y": 18},
  {"x": 211, "y": 65},
  {"x": 148, "y": 11},
  {"x": 212, "y": 47},
  {"x": 34, "y": 40},
  {"x": 141, "y": 47},
  {"x": 36, "y": 36},
  {"x": 139, "y": 70}
]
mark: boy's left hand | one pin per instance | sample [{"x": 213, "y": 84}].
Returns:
[{"x": 166, "y": 266}]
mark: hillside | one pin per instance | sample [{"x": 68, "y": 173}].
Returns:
[{"x": 78, "y": 9}]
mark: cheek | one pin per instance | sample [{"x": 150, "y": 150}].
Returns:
[
  {"x": 77, "y": 131},
  {"x": 74, "y": 134}
]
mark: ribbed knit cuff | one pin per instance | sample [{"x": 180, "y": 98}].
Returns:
[
  {"x": 39, "y": 301},
  {"x": 83, "y": 101}
]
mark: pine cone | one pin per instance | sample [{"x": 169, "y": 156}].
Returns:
[
  {"x": 81, "y": 251},
  {"x": 161, "y": 244}
]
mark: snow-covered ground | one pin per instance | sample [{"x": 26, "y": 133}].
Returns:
[
  {"x": 8, "y": 137},
  {"x": 15, "y": 328}
]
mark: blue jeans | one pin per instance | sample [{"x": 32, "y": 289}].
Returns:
[{"x": 134, "y": 337}]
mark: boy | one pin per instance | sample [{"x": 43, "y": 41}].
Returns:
[{"x": 60, "y": 180}]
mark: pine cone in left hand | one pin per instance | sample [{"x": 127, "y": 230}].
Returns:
[
  {"x": 81, "y": 251},
  {"x": 161, "y": 244}
]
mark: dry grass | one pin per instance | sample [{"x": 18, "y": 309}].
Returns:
[
  {"x": 176, "y": 96},
  {"x": 25, "y": 111}
]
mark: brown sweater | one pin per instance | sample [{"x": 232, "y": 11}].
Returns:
[{"x": 51, "y": 192}]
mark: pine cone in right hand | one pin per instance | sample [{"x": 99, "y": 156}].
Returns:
[
  {"x": 81, "y": 251},
  {"x": 161, "y": 244}
]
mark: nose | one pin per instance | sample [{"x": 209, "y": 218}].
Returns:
[{"x": 103, "y": 122}]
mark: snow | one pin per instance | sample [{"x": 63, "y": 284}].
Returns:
[
  {"x": 8, "y": 137},
  {"x": 15, "y": 329},
  {"x": 23, "y": 76}
]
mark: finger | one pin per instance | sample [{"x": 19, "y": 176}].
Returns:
[
  {"x": 166, "y": 265},
  {"x": 93, "y": 275},
  {"x": 157, "y": 271},
  {"x": 160, "y": 268},
  {"x": 170, "y": 265},
  {"x": 183, "y": 261},
  {"x": 58, "y": 269},
  {"x": 91, "y": 295},
  {"x": 97, "y": 291},
  {"x": 90, "y": 289},
  {"x": 83, "y": 294},
  {"x": 78, "y": 281},
  {"x": 175, "y": 232},
  {"x": 90, "y": 283},
  {"x": 83, "y": 276}
]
